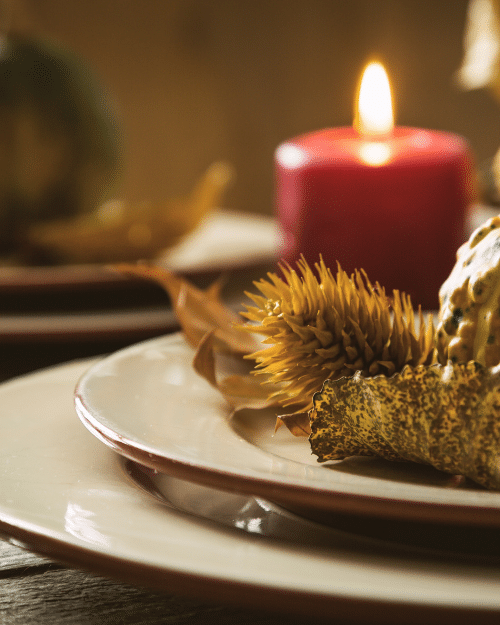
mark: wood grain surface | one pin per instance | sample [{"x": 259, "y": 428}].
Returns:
[{"x": 38, "y": 591}]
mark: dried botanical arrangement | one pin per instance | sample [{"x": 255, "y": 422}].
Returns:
[{"x": 346, "y": 365}]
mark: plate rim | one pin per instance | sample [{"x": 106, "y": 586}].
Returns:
[
  {"x": 280, "y": 600},
  {"x": 345, "y": 602},
  {"x": 298, "y": 497},
  {"x": 15, "y": 278}
]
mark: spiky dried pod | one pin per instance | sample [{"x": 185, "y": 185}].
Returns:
[{"x": 321, "y": 327}]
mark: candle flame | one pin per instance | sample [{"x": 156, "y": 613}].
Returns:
[{"x": 374, "y": 116}]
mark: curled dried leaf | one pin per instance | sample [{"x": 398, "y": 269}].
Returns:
[
  {"x": 239, "y": 390},
  {"x": 298, "y": 423},
  {"x": 197, "y": 311},
  {"x": 214, "y": 330},
  {"x": 445, "y": 416}
]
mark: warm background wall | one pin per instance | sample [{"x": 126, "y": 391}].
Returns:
[{"x": 199, "y": 80}]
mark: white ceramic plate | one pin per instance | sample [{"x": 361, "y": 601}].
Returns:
[
  {"x": 225, "y": 242},
  {"x": 85, "y": 326},
  {"x": 147, "y": 403},
  {"x": 64, "y": 494}
]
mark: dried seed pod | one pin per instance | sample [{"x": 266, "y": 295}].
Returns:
[
  {"x": 445, "y": 416},
  {"x": 323, "y": 327},
  {"x": 469, "y": 315}
]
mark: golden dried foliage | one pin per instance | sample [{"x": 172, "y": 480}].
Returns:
[
  {"x": 214, "y": 331},
  {"x": 199, "y": 312},
  {"x": 321, "y": 327},
  {"x": 119, "y": 231}
]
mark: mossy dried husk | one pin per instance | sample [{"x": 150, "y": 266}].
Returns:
[{"x": 444, "y": 416}]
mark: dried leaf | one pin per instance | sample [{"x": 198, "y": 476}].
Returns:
[
  {"x": 240, "y": 391},
  {"x": 215, "y": 331},
  {"x": 445, "y": 416},
  {"x": 244, "y": 392},
  {"x": 298, "y": 423},
  {"x": 204, "y": 359},
  {"x": 197, "y": 311},
  {"x": 117, "y": 231}
]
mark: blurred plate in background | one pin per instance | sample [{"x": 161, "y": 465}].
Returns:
[
  {"x": 224, "y": 241},
  {"x": 52, "y": 314}
]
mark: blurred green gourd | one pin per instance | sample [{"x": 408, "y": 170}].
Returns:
[{"x": 59, "y": 140}]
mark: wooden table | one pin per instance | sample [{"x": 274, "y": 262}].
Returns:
[{"x": 35, "y": 590}]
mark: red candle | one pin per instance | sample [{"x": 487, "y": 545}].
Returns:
[{"x": 391, "y": 201}]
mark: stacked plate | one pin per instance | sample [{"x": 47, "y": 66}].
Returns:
[
  {"x": 52, "y": 314},
  {"x": 171, "y": 491}
]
